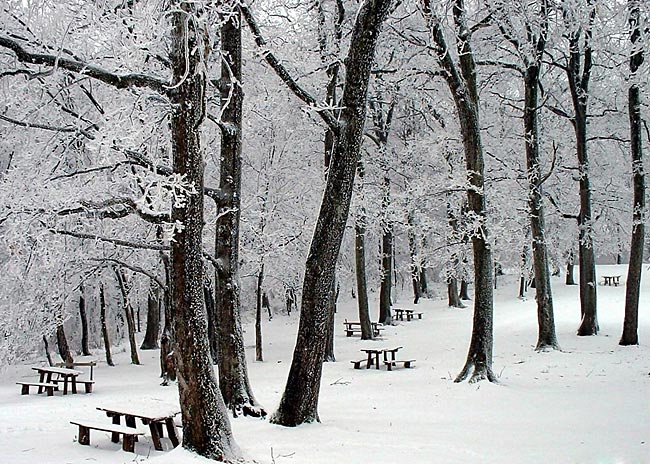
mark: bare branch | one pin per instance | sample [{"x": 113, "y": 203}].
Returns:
[
  {"x": 114, "y": 241},
  {"x": 29, "y": 125},
  {"x": 133, "y": 268}
]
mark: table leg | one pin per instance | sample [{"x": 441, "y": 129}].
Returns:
[
  {"x": 369, "y": 362},
  {"x": 171, "y": 431},
  {"x": 115, "y": 437},
  {"x": 40, "y": 380},
  {"x": 74, "y": 384},
  {"x": 377, "y": 360},
  {"x": 65, "y": 384},
  {"x": 153, "y": 427}
]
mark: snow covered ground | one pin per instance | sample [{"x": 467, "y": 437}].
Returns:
[{"x": 589, "y": 403}]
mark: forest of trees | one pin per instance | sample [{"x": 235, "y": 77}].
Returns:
[{"x": 174, "y": 167}]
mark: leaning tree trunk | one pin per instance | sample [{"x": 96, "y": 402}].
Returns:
[
  {"x": 206, "y": 428},
  {"x": 85, "y": 349},
  {"x": 546, "y": 338},
  {"x": 299, "y": 403},
  {"x": 633, "y": 283},
  {"x": 62, "y": 344},
  {"x": 128, "y": 312},
  {"x": 233, "y": 373},
  {"x": 102, "y": 320},
  {"x": 150, "y": 341}
]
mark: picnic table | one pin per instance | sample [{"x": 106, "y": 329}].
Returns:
[
  {"x": 613, "y": 280},
  {"x": 154, "y": 419},
  {"x": 55, "y": 375},
  {"x": 352, "y": 327},
  {"x": 72, "y": 365},
  {"x": 409, "y": 313},
  {"x": 373, "y": 356}
]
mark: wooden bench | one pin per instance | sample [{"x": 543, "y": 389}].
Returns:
[
  {"x": 88, "y": 384},
  {"x": 612, "y": 280},
  {"x": 405, "y": 362},
  {"x": 355, "y": 327},
  {"x": 357, "y": 364},
  {"x": 409, "y": 313},
  {"x": 129, "y": 435},
  {"x": 48, "y": 387}
]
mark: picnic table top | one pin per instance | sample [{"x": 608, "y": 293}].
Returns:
[
  {"x": 381, "y": 350},
  {"x": 145, "y": 410},
  {"x": 91, "y": 362},
  {"x": 57, "y": 370}
]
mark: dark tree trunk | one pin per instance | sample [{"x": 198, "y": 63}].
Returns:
[
  {"x": 461, "y": 80},
  {"x": 47, "y": 352},
  {"x": 206, "y": 428},
  {"x": 578, "y": 73},
  {"x": 570, "y": 277},
  {"x": 128, "y": 312},
  {"x": 85, "y": 349},
  {"x": 633, "y": 283},
  {"x": 152, "y": 332},
  {"x": 329, "y": 348},
  {"x": 233, "y": 373},
  {"x": 453, "y": 298},
  {"x": 167, "y": 358},
  {"x": 386, "y": 275},
  {"x": 523, "y": 287},
  {"x": 211, "y": 312},
  {"x": 546, "y": 338},
  {"x": 299, "y": 403},
  {"x": 415, "y": 266},
  {"x": 102, "y": 319},
  {"x": 259, "y": 356},
  {"x": 62, "y": 344},
  {"x": 362, "y": 287},
  {"x": 424, "y": 285}
]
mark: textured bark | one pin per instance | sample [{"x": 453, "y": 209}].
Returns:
[
  {"x": 62, "y": 344},
  {"x": 85, "y": 349},
  {"x": 546, "y": 338},
  {"x": 633, "y": 282},
  {"x": 362, "y": 286},
  {"x": 329, "y": 347},
  {"x": 128, "y": 312},
  {"x": 461, "y": 80},
  {"x": 259, "y": 355},
  {"x": 453, "y": 298},
  {"x": 385, "y": 316},
  {"x": 233, "y": 373},
  {"x": 206, "y": 428},
  {"x": 463, "y": 293},
  {"x": 102, "y": 319},
  {"x": 47, "y": 352},
  {"x": 299, "y": 403},
  {"x": 211, "y": 313},
  {"x": 570, "y": 277},
  {"x": 152, "y": 331},
  {"x": 167, "y": 359},
  {"x": 415, "y": 267}
]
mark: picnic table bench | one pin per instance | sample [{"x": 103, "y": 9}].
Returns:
[
  {"x": 613, "y": 280},
  {"x": 55, "y": 375},
  {"x": 48, "y": 387},
  {"x": 129, "y": 435},
  {"x": 154, "y": 420},
  {"x": 352, "y": 327},
  {"x": 409, "y": 313}
]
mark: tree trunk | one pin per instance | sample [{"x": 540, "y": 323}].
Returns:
[
  {"x": 128, "y": 312},
  {"x": 523, "y": 287},
  {"x": 211, "y": 312},
  {"x": 362, "y": 287},
  {"x": 206, "y": 428},
  {"x": 85, "y": 349},
  {"x": 299, "y": 403},
  {"x": 62, "y": 344},
  {"x": 102, "y": 319},
  {"x": 233, "y": 373},
  {"x": 329, "y": 348},
  {"x": 385, "y": 316},
  {"x": 570, "y": 277},
  {"x": 258, "y": 316},
  {"x": 453, "y": 298},
  {"x": 167, "y": 358},
  {"x": 633, "y": 283},
  {"x": 463, "y": 293},
  {"x": 546, "y": 338},
  {"x": 47, "y": 352},
  {"x": 415, "y": 266},
  {"x": 150, "y": 341}
]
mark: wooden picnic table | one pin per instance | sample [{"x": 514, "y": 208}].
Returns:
[
  {"x": 374, "y": 353},
  {"x": 49, "y": 375},
  {"x": 352, "y": 327},
  {"x": 72, "y": 365},
  {"x": 409, "y": 313},
  {"x": 154, "y": 419},
  {"x": 614, "y": 280}
]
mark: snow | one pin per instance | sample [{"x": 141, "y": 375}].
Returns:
[{"x": 586, "y": 404}]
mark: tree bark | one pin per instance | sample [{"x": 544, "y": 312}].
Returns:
[
  {"x": 259, "y": 355},
  {"x": 233, "y": 373},
  {"x": 150, "y": 341},
  {"x": 167, "y": 358},
  {"x": 211, "y": 312},
  {"x": 463, "y": 293},
  {"x": 46, "y": 346},
  {"x": 206, "y": 428},
  {"x": 461, "y": 80},
  {"x": 329, "y": 348},
  {"x": 415, "y": 265},
  {"x": 299, "y": 403},
  {"x": 385, "y": 316},
  {"x": 128, "y": 312},
  {"x": 85, "y": 349},
  {"x": 362, "y": 286},
  {"x": 633, "y": 282},
  {"x": 62, "y": 344},
  {"x": 102, "y": 319},
  {"x": 570, "y": 277}
]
